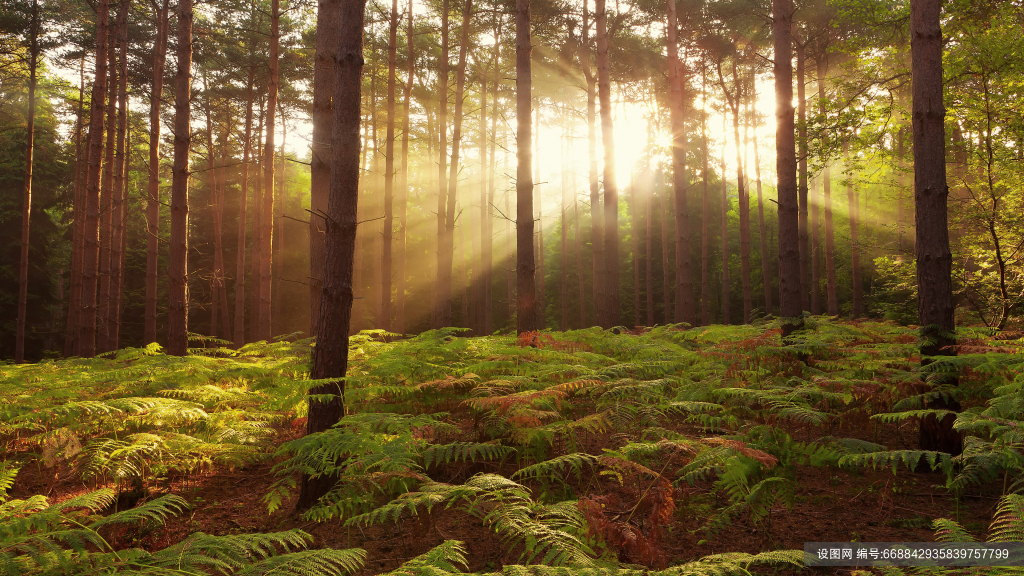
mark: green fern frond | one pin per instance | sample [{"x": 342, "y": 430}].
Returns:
[
  {"x": 445, "y": 558},
  {"x": 951, "y": 531},
  {"x": 438, "y": 454},
  {"x": 1008, "y": 523},
  {"x": 555, "y": 467},
  {"x": 910, "y": 458}
]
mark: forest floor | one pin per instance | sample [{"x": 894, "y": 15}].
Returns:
[{"x": 666, "y": 496}]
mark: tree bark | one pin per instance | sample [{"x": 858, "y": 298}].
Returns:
[
  {"x": 596, "y": 213},
  {"x": 563, "y": 314},
  {"x": 726, "y": 319},
  {"x": 278, "y": 259},
  {"x": 403, "y": 187},
  {"x": 330, "y": 356},
  {"x": 177, "y": 328},
  {"x": 854, "y": 210},
  {"x": 78, "y": 214},
  {"x": 684, "y": 305},
  {"x": 542, "y": 301},
  {"x": 389, "y": 179},
  {"x": 267, "y": 221},
  {"x": 526, "y": 284},
  {"x": 320, "y": 170},
  {"x": 442, "y": 299},
  {"x": 107, "y": 195},
  {"x": 649, "y": 267},
  {"x": 634, "y": 210},
  {"x": 153, "y": 190},
  {"x": 805, "y": 240},
  {"x": 766, "y": 276},
  {"x": 705, "y": 216},
  {"x": 611, "y": 192},
  {"x": 934, "y": 259},
  {"x": 118, "y": 204},
  {"x": 91, "y": 253},
  {"x": 790, "y": 293},
  {"x": 239, "y": 336},
  {"x": 26, "y": 208},
  {"x": 255, "y": 308},
  {"x": 826, "y": 184}
]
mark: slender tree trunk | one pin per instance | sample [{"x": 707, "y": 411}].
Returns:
[
  {"x": 725, "y": 234},
  {"x": 684, "y": 305},
  {"x": 243, "y": 202},
  {"x": 117, "y": 205},
  {"x": 538, "y": 195},
  {"x": 267, "y": 221},
  {"x": 107, "y": 195},
  {"x": 78, "y": 213},
  {"x": 634, "y": 210},
  {"x": 526, "y": 284},
  {"x": 705, "y": 216},
  {"x": 442, "y": 300},
  {"x": 389, "y": 179},
  {"x": 564, "y": 296},
  {"x": 854, "y": 210},
  {"x": 177, "y": 329},
  {"x": 255, "y": 308},
  {"x": 153, "y": 190},
  {"x": 211, "y": 169},
  {"x": 26, "y": 209},
  {"x": 650, "y": 259},
  {"x": 222, "y": 288},
  {"x": 743, "y": 198},
  {"x": 611, "y": 192},
  {"x": 488, "y": 265},
  {"x": 934, "y": 260},
  {"x": 330, "y": 356},
  {"x": 826, "y": 183},
  {"x": 790, "y": 294},
  {"x": 91, "y": 254},
  {"x": 596, "y": 213},
  {"x": 579, "y": 261},
  {"x": 484, "y": 265},
  {"x": 805, "y": 240},
  {"x": 766, "y": 276},
  {"x": 277, "y": 321},
  {"x": 403, "y": 201}
]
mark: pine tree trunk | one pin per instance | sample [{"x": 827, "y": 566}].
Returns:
[
  {"x": 243, "y": 202},
  {"x": 117, "y": 206},
  {"x": 225, "y": 315},
  {"x": 564, "y": 296},
  {"x": 26, "y": 208},
  {"x": 211, "y": 169},
  {"x": 666, "y": 280},
  {"x": 596, "y": 213},
  {"x": 255, "y": 308},
  {"x": 386, "y": 320},
  {"x": 743, "y": 199},
  {"x": 78, "y": 215},
  {"x": 484, "y": 264},
  {"x": 766, "y": 276},
  {"x": 790, "y": 293},
  {"x": 649, "y": 264},
  {"x": 278, "y": 259},
  {"x": 107, "y": 195},
  {"x": 934, "y": 260},
  {"x": 634, "y": 210},
  {"x": 403, "y": 201},
  {"x": 725, "y": 234},
  {"x": 442, "y": 287},
  {"x": 153, "y": 190},
  {"x": 320, "y": 170},
  {"x": 684, "y": 305},
  {"x": 854, "y": 211},
  {"x": 330, "y": 357},
  {"x": 705, "y": 216},
  {"x": 267, "y": 212},
  {"x": 526, "y": 284},
  {"x": 91, "y": 248},
  {"x": 826, "y": 185},
  {"x": 805, "y": 240},
  {"x": 177, "y": 327},
  {"x": 538, "y": 196},
  {"x": 488, "y": 268},
  {"x": 611, "y": 192}
]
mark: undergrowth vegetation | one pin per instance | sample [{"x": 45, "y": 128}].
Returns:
[{"x": 577, "y": 449}]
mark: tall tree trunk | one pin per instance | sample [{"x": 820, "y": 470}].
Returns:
[
  {"x": 596, "y": 213},
  {"x": 934, "y": 260},
  {"x": 320, "y": 170},
  {"x": 854, "y": 211},
  {"x": 267, "y": 222},
  {"x": 386, "y": 320},
  {"x": 403, "y": 201},
  {"x": 255, "y": 308},
  {"x": 442, "y": 299},
  {"x": 239, "y": 337},
  {"x": 805, "y": 240},
  {"x": 278, "y": 328},
  {"x": 153, "y": 190},
  {"x": 611, "y": 192},
  {"x": 684, "y": 305},
  {"x": 790, "y": 294},
  {"x": 725, "y": 234},
  {"x": 177, "y": 327},
  {"x": 826, "y": 183},
  {"x": 488, "y": 250},
  {"x": 118, "y": 203},
  {"x": 78, "y": 214},
  {"x": 766, "y": 276},
  {"x": 330, "y": 356},
  {"x": 634, "y": 210},
  {"x": 743, "y": 198},
  {"x": 446, "y": 252},
  {"x": 481, "y": 293},
  {"x": 91, "y": 253},
  {"x": 579, "y": 261},
  {"x": 650, "y": 259},
  {"x": 211, "y": 169},
  {"x": 26, "y": 208},
  {"x": 222, "y": 292},
  {"x": 666, "y": 280},
  {"x": 542, "y": 301},
  {"x": 107, "y": 195},
  {"x": 705, "y": 216},
  {"x": 564, "y": 296},
  {"x": 526, "y": 284}
]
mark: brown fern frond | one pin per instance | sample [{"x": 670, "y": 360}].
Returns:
[{"x": 766, "y": 459}]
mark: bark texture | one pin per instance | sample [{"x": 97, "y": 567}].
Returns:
[
  {"x": 177, "y": 321},
  {"x": 526, "y": 285}
]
